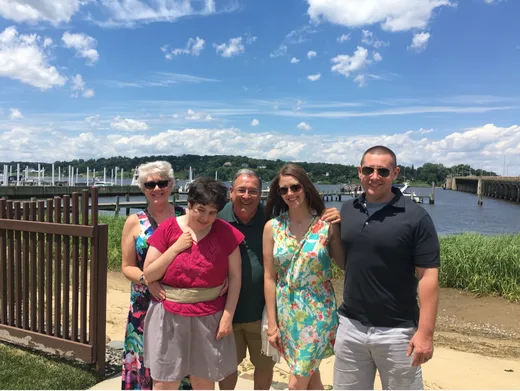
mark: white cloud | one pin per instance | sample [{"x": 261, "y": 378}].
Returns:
[
  {"x": 84, "y": 45},
  {"x": 314, "y": 77},
  {"x": 22, "y": 58},
  {"x": 281, "y": 51},
  {"x": 377, "y": 56},
  {"x": 93, "y": 120},
  {"x": 304, "y": 126},
  {"x": 32, "y": 11},
  {"x": 194, "y": 46},
  {"x": 368, "y": 38},
  {"x": 419, "y": 41},
  {"x": 131, "y": 12},
  {"x": 361, "y": 80},
  {"x": 130, "y": 125},
  {"x": 483, "y": 146},
  {"x": 233, "y": 48},
  {"x": 311, "y": 54},
  {"x": 162, "y": 79},
  {"x": 294, "y": 60},
  {"x": 47, "y": 42},
  {"x": 251, "y": 39},
  {"x": 15, "y": 114},
  {"x": 345, "y": 64},
  {"x": 78, "y": 86},
  {"x": 197, "y": 116},
  {"x": 343, "y": 38},
  {"x": 299, "y": 35},
  {"x": 392, "y": 15},
  {"x": 255, "y": 122}
]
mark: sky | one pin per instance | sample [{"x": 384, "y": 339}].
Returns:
[{"x": 298, "y": 80}]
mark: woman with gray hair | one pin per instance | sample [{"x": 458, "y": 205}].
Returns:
[{"x": 156, "y": 181}]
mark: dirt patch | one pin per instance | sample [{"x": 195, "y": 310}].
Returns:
[{"x": 488, "y": 326}]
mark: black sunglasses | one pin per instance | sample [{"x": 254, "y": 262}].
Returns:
[
  {"x": 151, "y": 184},
  {"x": 381, "y": 171},
  {"x": 294, "y": 188}
]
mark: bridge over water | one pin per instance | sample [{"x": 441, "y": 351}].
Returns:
[{"x": 505, "y": 188}]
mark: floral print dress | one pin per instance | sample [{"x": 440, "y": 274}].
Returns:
[
  {"x": 135, "y": 376},
  {"x": 305, "y": 300}
]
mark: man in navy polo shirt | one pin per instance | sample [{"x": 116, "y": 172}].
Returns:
[{"x": 392, "y": 257}]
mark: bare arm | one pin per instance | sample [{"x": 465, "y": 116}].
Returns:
[
  {"x": 235, "y": 281},
  {"x": 269, "y": 276},
  {"x": 156, "y": 263},
  {"x": 421, "y": 343},
  {"x": 129, "y": 256},
  {"x": 336, "y": 247},
  {"x": 428, "y": 292}
]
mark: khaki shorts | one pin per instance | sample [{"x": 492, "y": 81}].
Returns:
[{"x": 247, "y": 336}]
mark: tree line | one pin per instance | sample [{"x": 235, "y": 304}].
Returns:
[{"x": 225, "y": 166}]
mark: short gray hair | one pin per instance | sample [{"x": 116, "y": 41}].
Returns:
[
  {"x": 248, "y": 172},
  {"x": 160, "y": 167}
]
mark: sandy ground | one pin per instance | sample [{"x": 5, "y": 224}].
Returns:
[{"x": 477, "y": 343}]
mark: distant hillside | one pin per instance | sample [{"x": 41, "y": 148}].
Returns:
[{"x": 226, "y": 167}]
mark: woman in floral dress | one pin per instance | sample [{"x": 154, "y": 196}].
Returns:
[
  {"x": 156, "y": 181},
  {"x": 300, "y": 301}
]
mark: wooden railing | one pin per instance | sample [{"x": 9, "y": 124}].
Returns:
[{"x": 53, "y": 276}]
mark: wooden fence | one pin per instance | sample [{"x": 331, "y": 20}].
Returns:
[{"x": 53, "y": 276}]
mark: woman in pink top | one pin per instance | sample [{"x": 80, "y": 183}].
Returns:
[{"x": 190, "y": 332}]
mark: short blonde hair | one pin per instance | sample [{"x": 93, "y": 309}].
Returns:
[{"x": 160, "y": 167}]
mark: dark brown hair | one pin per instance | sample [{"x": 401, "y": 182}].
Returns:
[
  {"x": 276, "y": 205},
  {"x": 207, "y": 191},
  {"x": 380, "y": 150}
]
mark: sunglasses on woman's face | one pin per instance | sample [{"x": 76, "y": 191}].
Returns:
[
  {"x": 294, "y": 188},
  {"x": 381, "y": 171},
  {"x": 150, "y": 185}
]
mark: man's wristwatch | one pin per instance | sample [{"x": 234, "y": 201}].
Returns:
[{"x": 142, "y": 280}]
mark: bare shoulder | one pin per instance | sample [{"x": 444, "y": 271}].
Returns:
[{"x": 131, "y": 225}]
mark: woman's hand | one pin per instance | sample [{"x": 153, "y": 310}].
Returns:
[
  {"x": 224, "y": 289},
  {"x": 183, "y": 242},
  {"x": 157, "y": 291},
  {"x": 225, "y": 326},
  {"x": 275, "y": 339}
]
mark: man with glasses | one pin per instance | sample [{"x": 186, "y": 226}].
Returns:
[
  {"x": 392, "y": 257},
  {"x": 246, "y": 213}
]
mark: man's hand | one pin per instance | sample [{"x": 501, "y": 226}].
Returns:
[
  {"x": 157, "y": 291},
  {"x": 331, "y": 215},
  {"x": 421, "y": 345}
]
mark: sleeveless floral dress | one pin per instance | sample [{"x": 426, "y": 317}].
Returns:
[
  {"x": 135, "y": 376},
  {"x": 305, "y": 300}
]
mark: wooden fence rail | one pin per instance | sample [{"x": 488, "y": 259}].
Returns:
[{"x": 53, "y": 276}]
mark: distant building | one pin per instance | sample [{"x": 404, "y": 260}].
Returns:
[
  {"x": 227, "y": 164},
  {"x": 261, "y": 166},
  {"x": 244, "y": 165}
]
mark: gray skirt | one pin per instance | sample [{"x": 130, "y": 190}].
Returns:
[{"x": 176, "y": 346}]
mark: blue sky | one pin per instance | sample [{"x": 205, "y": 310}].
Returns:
[{"x": 314, "y": 80}]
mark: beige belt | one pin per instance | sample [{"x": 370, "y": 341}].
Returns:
[{"x": 191, "y": 295}]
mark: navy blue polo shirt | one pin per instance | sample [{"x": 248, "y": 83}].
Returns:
[{"x": 382, "y": 251}]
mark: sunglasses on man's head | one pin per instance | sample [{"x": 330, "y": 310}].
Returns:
[
  {"x": 381, "y": 171},
  {"x": 150, "y": 185},
  {"x": 294, "y": 188}
]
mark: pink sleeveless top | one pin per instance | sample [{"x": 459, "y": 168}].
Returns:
[{"x": 204, "y": 265}]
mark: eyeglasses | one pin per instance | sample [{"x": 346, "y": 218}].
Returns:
[
  {"x": 150, "y": 185},
  {"x": 242, "y": 191},
  {"x": 294, "y": 188},
  {"x": 381, "y": 171}
]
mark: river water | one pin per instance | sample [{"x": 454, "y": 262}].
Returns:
[{"x": 453, "y": 211}]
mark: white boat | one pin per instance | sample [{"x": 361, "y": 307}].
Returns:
[
  {"x": 135, "y": 178},
  {"x": 406, "y": 192},
  {"x": 186, "y": 186},
  {"x": 103, "y": 184}
]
